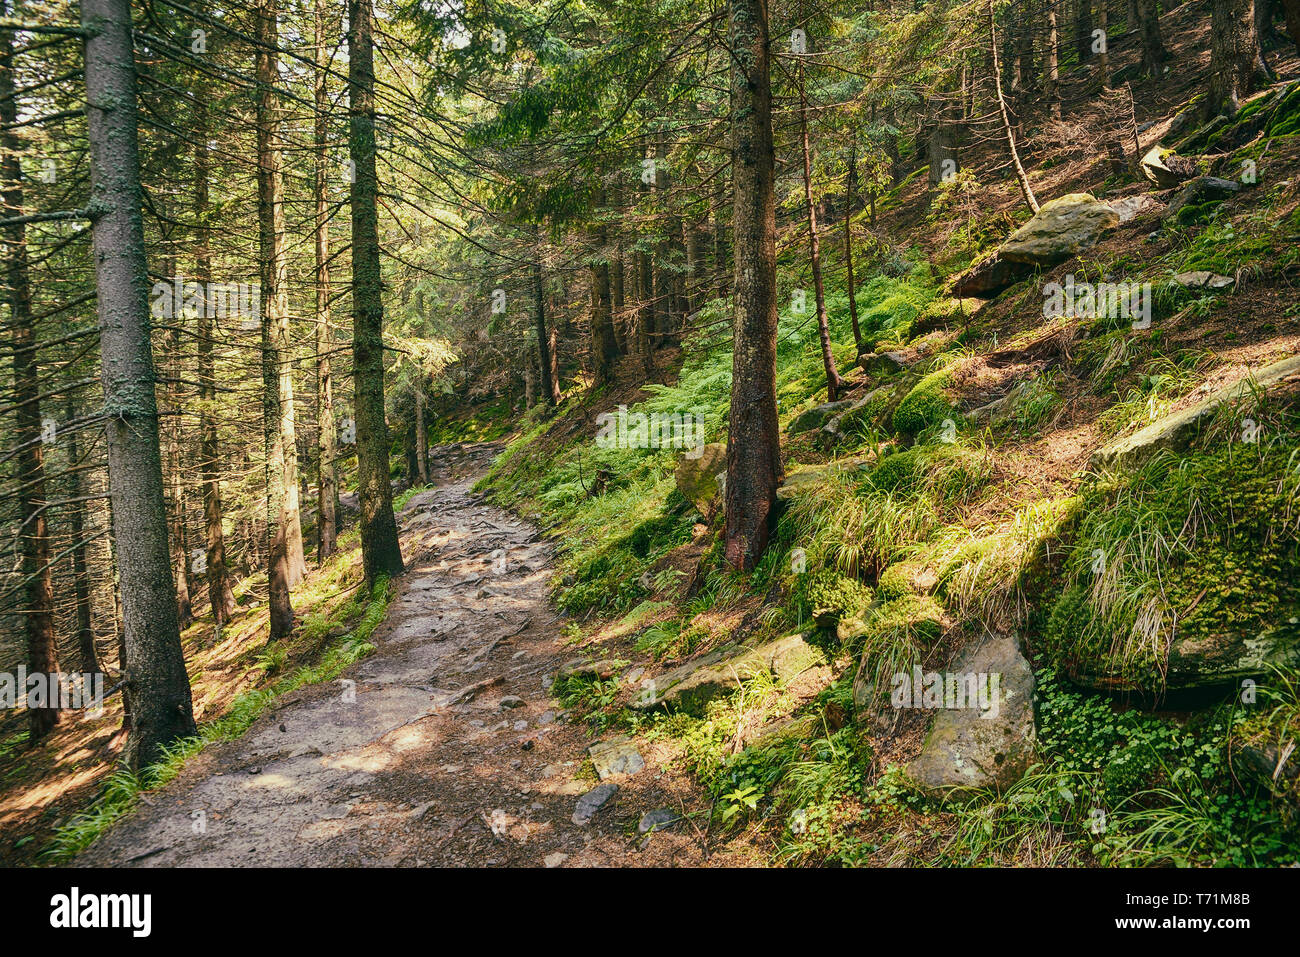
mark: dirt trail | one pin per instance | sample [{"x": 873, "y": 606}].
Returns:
[{"x": 423, "y": 765}]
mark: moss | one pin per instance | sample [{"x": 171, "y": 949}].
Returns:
[
  {"x": 899, "y": 472},
  {"x": 831, "y": 597},
  {"x": 1185, "y": 572},
  {"x": 898, "y": 581},
  {"x": 926, "y": 405}
]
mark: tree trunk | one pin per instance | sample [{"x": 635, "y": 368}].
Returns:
[
  {"x": 220, "y": 594},
  {"x": 1025, "y": 189},
  {"x": 1234, "y": 55},
  {"x": 604, "y": 349},
  {"x": 753, "y": 442},
  {"x": 1103, "y": 50},
  {"x": 1083, "y": 30},
  {"x": 421, "y": 435},
  {"x": 275, "y": 318},
  {"x": 275, "y": 295},
  {"x": 849, "y": 286},
  {"x": 380, "y": 547},
  {"x": 33, "y": 532},
  {"x": 1153, "y": 45},
  {"x": 158, "y": 689},
  {"x": 545, "y": 361},
  {"x": 1292, "y": 10},
  {"x": 720, "y": 265},
  {"x": 833, "y": 382},
  {"x": 327, "y": 490},
  {"x": 176, "y": 470},
  {"x": 1052, "y": 62},
  {"x": 85, "y": 629}
]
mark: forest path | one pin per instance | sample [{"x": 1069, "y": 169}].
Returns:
[{"x": 423, "y": 765}]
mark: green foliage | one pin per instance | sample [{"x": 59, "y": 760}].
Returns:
[{"x": 926, "y": 405}]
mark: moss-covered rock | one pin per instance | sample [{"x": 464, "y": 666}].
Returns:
[
  {"x": 1186, "y": 574},
  {"x": 926, "y": 405}
]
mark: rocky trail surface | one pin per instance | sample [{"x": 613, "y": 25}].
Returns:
[{"x": 442, "y": 748}]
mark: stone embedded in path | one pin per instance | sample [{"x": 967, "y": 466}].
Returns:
[
  {"x": 657, "y": 820},
  {"x": 511, "y": 701},
  {"x": 556, "y": 859},
  {"x": 591, "y": 803},
  {"x": 968, "y": 747},
  {"x": 618, "y": 756}
]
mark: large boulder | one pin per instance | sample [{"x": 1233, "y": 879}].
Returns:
[
  {"x": 1061, "y": 228},
  {"x": 1175, "y": 431},
  {"x": 693, "y": 685},
  {"x": 697, "y": 478},
  {"x": 985, "y": 743}
]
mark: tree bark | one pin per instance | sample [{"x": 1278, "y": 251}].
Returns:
[
  {"x": 33, "y": 531},
  {"x": 850, "y": 287},
  {"x": 220, "y": 594},
  {"x": 275, "y": 318},
  {"x": 833, "y": 381},
  {"x": 327, "y": 485},
  {"x": 1052, "y": 62},
  {"x": 1083, "y": 30},
  {"x": 85, "y": 629},
  {"x": 550, "y": 380},
  {"x": 380, "y": 548},
  {"x": 1234, "y": 55},
  {"x": 604, "y": 348},
  {"x": 1025, "y": 189},
  {"x": 1292, "y": 10},
  {"x": 753, "y": 442},
  {"x": 158, "y": 689},
  {"x": 1153, "y": 45}
]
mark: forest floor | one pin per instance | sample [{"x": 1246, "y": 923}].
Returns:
[{"x": 411, "y": 758}]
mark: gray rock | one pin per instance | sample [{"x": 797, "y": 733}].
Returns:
[
  {"x": 800, "y": 481},
  {"x": 697, "y": 477},
  {"x": 986, "y": 279},
  {"x": 694, "y": 684},
  {"x": 968, "y": 747},
  {"x": 618, "y": 756},
  {"x": 582, "y": 668},
  {"x": 1203, "y": 189},
  {"x": 1203, "y": 279},
  {"x": 510, "y": 701},
  {"x": 816, "y": 417},
  {"x": 1176, "y": 431},
  {"x": 1063, "y": 227},
  {"x": 883, "y": 363},
  {"x": 591, "y": 803},
  {"x": 657, "y": 820},
  {"x": 1131, "y": 207},
  {"x": 556, "y": 859},
  {"x": 1165, "y": 169}
]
